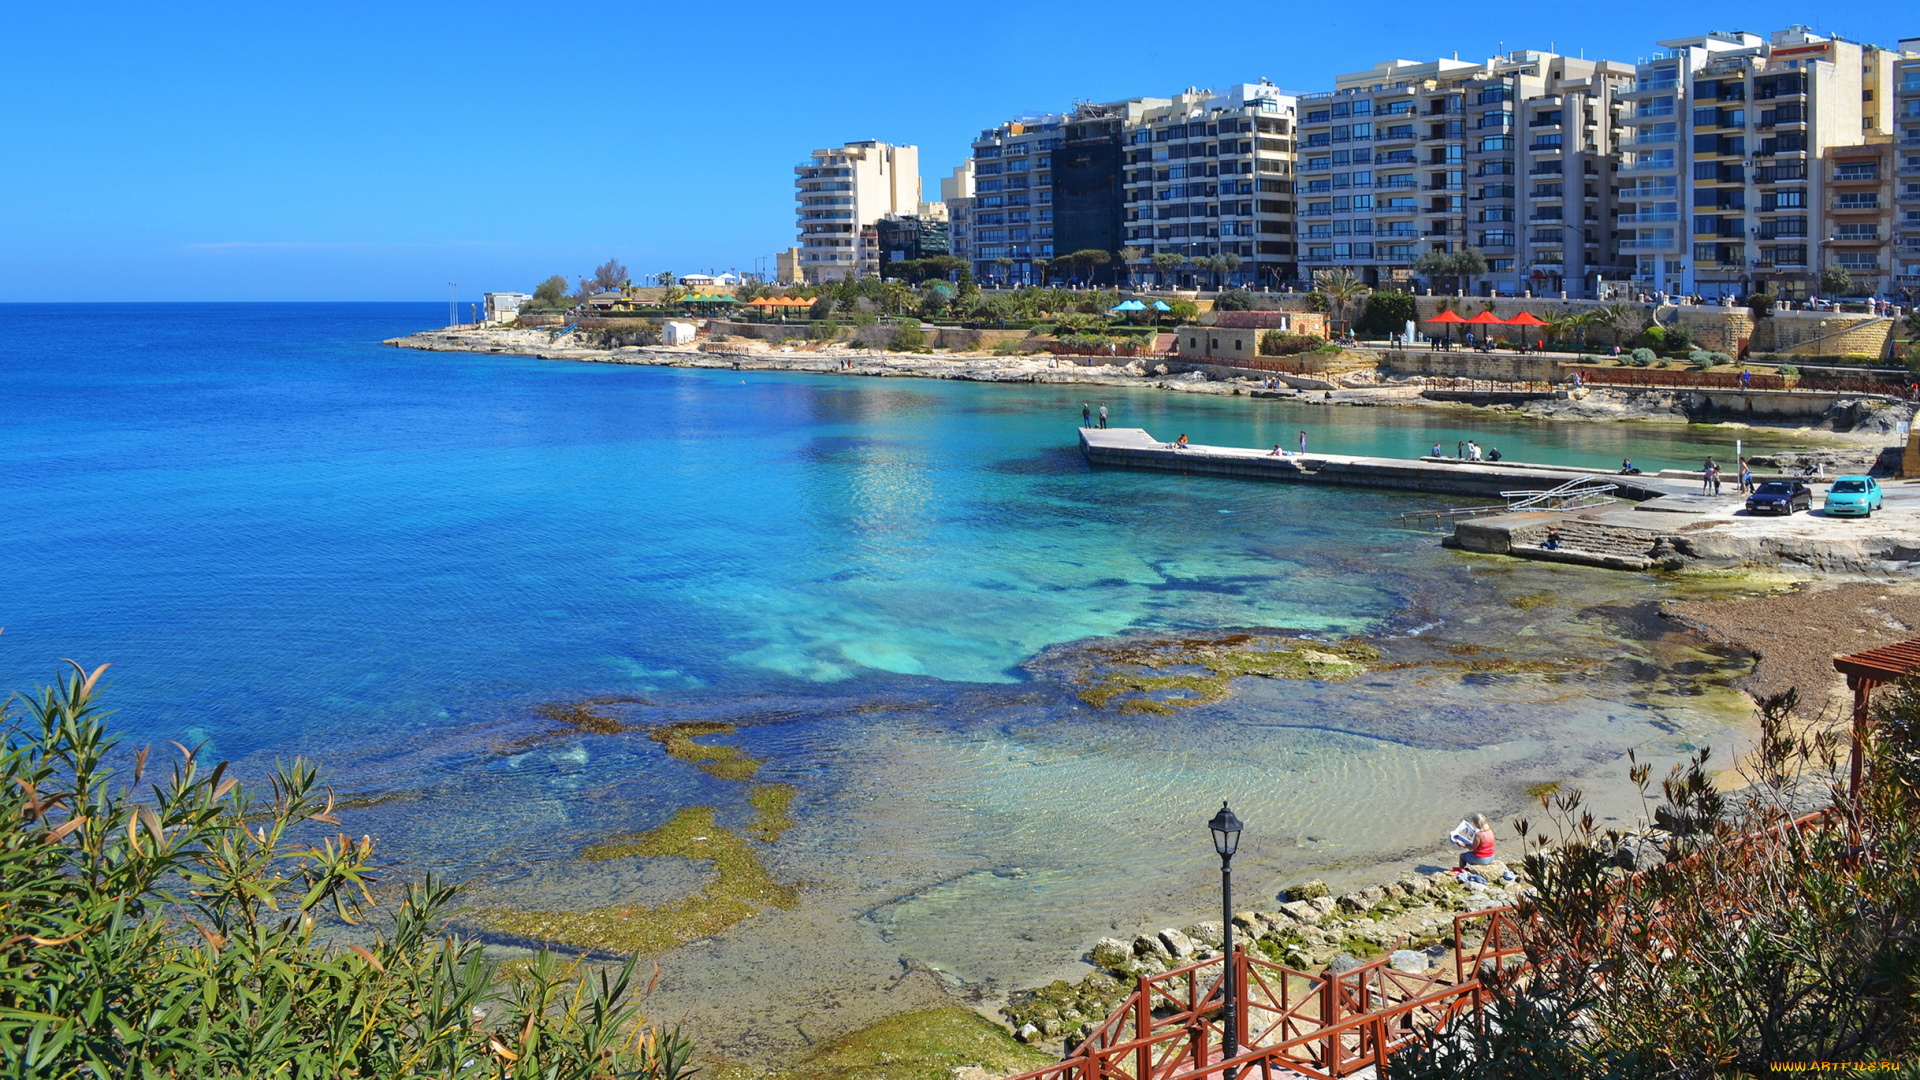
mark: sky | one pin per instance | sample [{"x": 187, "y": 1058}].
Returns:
[{"x": 349, "y": 151}]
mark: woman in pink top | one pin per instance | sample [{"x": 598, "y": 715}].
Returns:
[{"x": 1482, "y": 852}]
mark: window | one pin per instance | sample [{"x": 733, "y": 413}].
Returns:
[{"x": 1496, "y": 142}]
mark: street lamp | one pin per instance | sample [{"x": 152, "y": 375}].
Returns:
[{"x": 1226, "y": 839}]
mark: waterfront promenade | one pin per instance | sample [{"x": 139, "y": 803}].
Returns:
[
  {"x": 1134, "y": 448},
  {"x": 1660, "y": 522}
]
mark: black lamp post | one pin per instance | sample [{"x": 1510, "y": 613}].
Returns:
[{"x": 1226, "y": 839}]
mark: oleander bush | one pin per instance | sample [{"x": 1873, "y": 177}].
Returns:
[
  {"x": 177, "y": 923},
  {"x": 1743, "y": 940}
]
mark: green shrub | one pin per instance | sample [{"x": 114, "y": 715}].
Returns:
[
  {"x": 169, "y": 930},
  {"x": 1008, "y": 347},
  {"x": 1654, "y": 338},
  {"x": 1789, "y": 372},
  {"x": 1761, "y": 304},
  {"x": 1233, "y": 300},
  {"x": 1387, "y": 313},
  {"x": 1678, "y": 337},
  {"x": 1705, "y": 359},
  {"x": 907, "y": 337},
  {"x": 1280, "y": 343},
  {"x": 1641, "y": 357}
]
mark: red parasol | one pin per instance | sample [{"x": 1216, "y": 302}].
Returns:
[
  {"x": 1486, "y": 318},
  {"x": 1447, "y": 317},
  {"x": 1526, "y": 318}
]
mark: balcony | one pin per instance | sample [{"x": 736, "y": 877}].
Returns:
[
  {"x": 1404, "y": 183},
  {"x": 1632, "y": 244},
  {"x": 1637, "y": 219},
  {"x": 1667, "y": 165},
  {"x": 1651, "y": 112},
  {"x": 1843, "y": 205}
]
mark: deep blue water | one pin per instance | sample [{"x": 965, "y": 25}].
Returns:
[{"x": 290, "y": 539}]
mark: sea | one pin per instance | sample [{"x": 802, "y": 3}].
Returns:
[{"x": 292, "y": 541}]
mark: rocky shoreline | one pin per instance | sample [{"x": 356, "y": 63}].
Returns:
[
  {"x": 1846, "y": 422},
  {"x": 1410, "y": 921}
]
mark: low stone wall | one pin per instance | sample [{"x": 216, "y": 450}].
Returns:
[
  {"x": 1464, "y": 364},
  {"x": 1823, "y": 333}
]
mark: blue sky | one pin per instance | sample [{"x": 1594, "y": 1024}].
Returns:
[{"x": 355, "y": 151}]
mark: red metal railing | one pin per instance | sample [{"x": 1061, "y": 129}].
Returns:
[
  {"x": 1731, "y": 380},
  {"x": 1324, "y": 1025}
]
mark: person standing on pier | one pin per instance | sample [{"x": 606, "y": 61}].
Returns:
[
  {"x": 1746, "y": 477},
  {"x": 1303, "y": 442},
  {"x": 1103, "y": 416},
  {"x": 1086, "y": 415}
]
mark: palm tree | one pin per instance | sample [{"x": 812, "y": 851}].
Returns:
[
  {"x": 1127, "y": 257},
  {"x": 1614, "y": 318},
  {"x": 1341, "y": 288}
]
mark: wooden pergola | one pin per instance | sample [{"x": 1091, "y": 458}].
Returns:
[{"x": 1866, "y": 672}]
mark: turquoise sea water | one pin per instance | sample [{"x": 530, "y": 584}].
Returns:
[{"x": 289, "y": 539}]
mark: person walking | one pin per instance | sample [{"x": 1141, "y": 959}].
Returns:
[
  {"x": 1706, "y": 476},
  {"x": 1746, "y": 477},
  {"x": 1103, "y": 416},
  {"x": 1086, "y": 414}
]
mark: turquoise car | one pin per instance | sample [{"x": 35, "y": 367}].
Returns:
[{"x": 1851, "y": 495}]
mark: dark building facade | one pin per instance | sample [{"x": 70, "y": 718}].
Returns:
[{"x": 1087, "y": 194}]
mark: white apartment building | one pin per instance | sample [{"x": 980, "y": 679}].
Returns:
[
  {"x": 956, "y": 191},
  {"x": 1725, "y": 192},
  {"x": 841, "y": 192},
  {"x": 1514, "y": 156},
  {"x": 1905, "y": 152},
  {"x": 1210, "y": 174}
]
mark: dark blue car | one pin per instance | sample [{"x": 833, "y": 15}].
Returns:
[{"x": 1780, "y": 497}]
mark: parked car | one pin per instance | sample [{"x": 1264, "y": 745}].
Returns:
[
  {"x": 1851, "y": 495},
  {"x": 1780, "y": 497}
]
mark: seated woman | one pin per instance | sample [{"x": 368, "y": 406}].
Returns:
[
  {"x": 1482, "y": 851},
  {"x": 1181, "y": 442}
]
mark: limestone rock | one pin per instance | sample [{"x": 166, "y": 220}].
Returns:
[
  {"x": 1342, "y": 963},
  {"x": 1110, "y": 953},
  {"x": 1352, "y": 903},
  {"x": 1322, "y": 904},
  {"x": 1307, "y": 890},
  {"x": 1301, "y": 911},
  {"x": 1146, "y": 946},
  {"x": 1206, "y": 933},
  {"x": 1408, "y": 960},
  {"x": 1027, "y": 1033},
  {"x": 1252, "y": 923},
  {"x": 1178, "y": 945},
  {"x": 972, "y": 1072}
]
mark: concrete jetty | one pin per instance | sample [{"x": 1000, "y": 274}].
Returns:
[{"x": 1134, "y": 448}]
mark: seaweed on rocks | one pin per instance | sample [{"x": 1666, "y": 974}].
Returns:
[{"x": 1162, "y": 674}]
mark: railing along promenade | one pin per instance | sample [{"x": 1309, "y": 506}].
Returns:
[{"x": 1296, "y": 1023}]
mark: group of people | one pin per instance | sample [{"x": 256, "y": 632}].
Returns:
[
  {"x": 1468, "y": 450},
  {"x": 1086, "y": 415},
  {"x": 1710, "y": 477}
]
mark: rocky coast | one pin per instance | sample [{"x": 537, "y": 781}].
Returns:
[{"x": 1847, "y": 424}]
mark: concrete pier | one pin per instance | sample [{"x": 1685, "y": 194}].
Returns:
[{"x": 1134, "y": 448}]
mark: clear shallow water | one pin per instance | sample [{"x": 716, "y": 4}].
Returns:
[{"x": 289, "y": 539}]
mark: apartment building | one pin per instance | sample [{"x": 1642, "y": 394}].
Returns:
[
  {"x": 1209, "y": 174},
  {"x": 1905, "y": 151},
  {"x": 1733, "y": 177},
  {"x": 841, "y": 193},
  {"x": 956, "y": 191},
  {"x": 1857, "y": 213},
  {"x": 1514, "y": 156},
  {"x": 1012, "y": 213}
]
